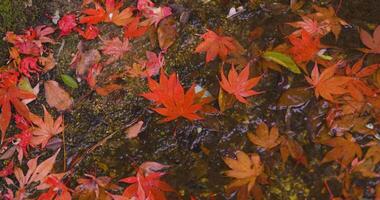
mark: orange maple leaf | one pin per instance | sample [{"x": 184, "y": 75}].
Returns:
[
  {"x": 238, "y": 84},
  {"x": 357, "y": 87},
  {"x": 245, "y": 169},
  {"x": 215, "y": 44},
  {"x": 47, "y": 128},
  {"x": 171, "y": 99},
  {"x": 344, "y": 150},
  {"x": 305, "y": 47},
  {"x": 326, "y": 85},
  {"x": 265, "y": 138},
  {"x": 10, "y": 94}
]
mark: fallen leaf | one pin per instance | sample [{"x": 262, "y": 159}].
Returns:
[
  {"x": 167, "y": 33},
  {"x": 345, "y": 149},
  {"x": 239, "y": 84},
  {"x": 327, "y": 84},
  {"x": 294, "y": 97},
  {"x": 215, "y": 44},
  {"x": 245, "y": 169},
  {"x": 134, "y": 130},
  {"x": 115, "y": 48},
  {"x": 265, "y": 138},
  {"x": 290, "y": 147},
  {"x": 283, "y": 60},
  {"x": 56, "y": 96},
  {"x": 371, "y": 42},
  {"x": 46, "y": 128}
]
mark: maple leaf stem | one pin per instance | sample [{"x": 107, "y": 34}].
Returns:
[{"x": 328, "y": 189}]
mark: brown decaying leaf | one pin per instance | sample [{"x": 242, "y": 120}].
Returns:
[
  {"x": 225, "y": 100},
  {"x": 56, "y": 96},
  {"x": 48, "y": 62},
  {"x": 294, "y": 97},
  {"x": 167, "y": 33},
  {"x": 265, "y": 138},
  {"x": 245, "y": 169},
  {"x": 290, "y": 147},
  {"x": 345, "y": 149}
]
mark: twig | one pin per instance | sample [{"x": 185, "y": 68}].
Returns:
[
  {"x": 64, "y": 149},
  {"x": 60, "y": 49}
]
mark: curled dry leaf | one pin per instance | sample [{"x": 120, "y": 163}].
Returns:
[
  {"x": 48, "y": 62},
  {"x": 265, "y": 138},
  {"x": 56, "y": 96}
]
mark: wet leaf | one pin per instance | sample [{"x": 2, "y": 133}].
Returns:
[
  {"x": 167, "y": 33},
  {"x": 245, "y": 169},
  {"x": 327, "y": 84},
  {"x": 56, "y": 96},
  {"x": 295, "y": 97},
  {"x": 225, "y": 100},
  {"x": 290, "y": 147},
  {"x": 265, "y": 138},
  {"x": 283, "y": 60},
  {"x": 239, "y": 85},
  {"x": 371, "y": 42},
  {"x": 69, "y": 81},
  {"x": 215, "y": 45},
  {"x": 344, "y": 150}
]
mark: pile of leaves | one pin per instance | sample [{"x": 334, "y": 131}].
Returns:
[{"x": 346, "y": 87}]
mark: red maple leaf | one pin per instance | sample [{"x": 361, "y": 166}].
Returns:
[
  {"x": 112, "y": 14},
  {"x": 7, "y": 170},
  {"x": 56, "y": 189},
  {"x": 145, "y": 185},
  {"x": 66, "y": 24},
  {"x": 10, "y": 94},
  {"x": 40, "y": 33},
  {"x": 134, "y": 29},
  {"x": 28, "y": 48},
  {"x": 215, "y": 44},
  {"x": 171, "y": 99},
  {"x": 239, "y": 84},
  {"x": 94, "y": 15},
  {"x": 115, "y": 48},
  {"x": 327, "y": 84},
  {"x": 305, "y": 47},
  {"x": 357, "y": 87},
  {"x": 90, "y": 33}
]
